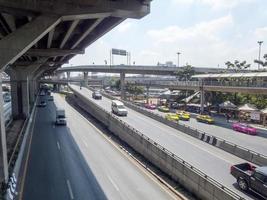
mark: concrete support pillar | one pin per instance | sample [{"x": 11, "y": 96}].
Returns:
[
  {"x": 20, "y": 98},
  {"x": 3, "y": 149},
  {"x": 20, "y": 81},
  {"x": 202, "y": 97},
  {"x": 85, "y": 77},
  {"x": 147, "y": 94},
  {"x": 32, "y": 90},
  {"x": 122, "y": 80},
  {"x": 68, "y": 76}
]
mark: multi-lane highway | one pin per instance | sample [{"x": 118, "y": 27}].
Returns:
[
  {"x": 77, "y": 162},
  {"x": 211, "y": 160},
  {"x": 223, "y": 130}
]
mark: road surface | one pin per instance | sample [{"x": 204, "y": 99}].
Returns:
[
  {"x": 77, "y": 162},
  {"x": 214, "y": 162}
]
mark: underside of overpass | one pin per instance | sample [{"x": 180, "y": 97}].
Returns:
[{"x": 37, "y": 37}]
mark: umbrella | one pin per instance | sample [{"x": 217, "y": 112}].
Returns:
[{"x": 247, "y": 107}]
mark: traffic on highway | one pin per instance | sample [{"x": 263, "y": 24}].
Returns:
[
  {"x": 133, "y": 100},
  {"x": 68, "y": 161},
  {"x": 190, "y": 149}
]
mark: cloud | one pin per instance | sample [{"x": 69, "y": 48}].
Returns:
[
  {"x": 204, "y": 30},
  {"x": 261, "y": 33},
  {"x": 215, "y": 4}
]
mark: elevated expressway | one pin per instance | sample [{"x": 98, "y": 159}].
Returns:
[
  {"x": 137, "y": 69},
  {"x": 212, "y": 161}
]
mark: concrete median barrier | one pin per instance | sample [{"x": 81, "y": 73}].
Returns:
[{"x": 179, "y": 170}]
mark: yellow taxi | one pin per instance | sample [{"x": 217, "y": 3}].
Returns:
[
  {"x": 205, "y": 119},
  {"x": 183, "y": 115},
  {"x": 172, "y": 117}
]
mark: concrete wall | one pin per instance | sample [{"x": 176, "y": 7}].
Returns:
[
  {"x": 179, "y": 170},
  {"x": 232, "y": 148}
]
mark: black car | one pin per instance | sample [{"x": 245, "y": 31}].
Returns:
[
  {"x": 42, "y": 103},
  {"x": 97, "y": 95}
]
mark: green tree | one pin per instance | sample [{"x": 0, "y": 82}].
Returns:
[
  {"x": 237, "y": 65},
  {"x": 262, "y": 63},
  {"x": 185, "y": 73},
  {"x": 135, "y": 90}
]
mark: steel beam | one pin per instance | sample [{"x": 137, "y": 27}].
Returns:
[
  {"x": 88, "y": 31},
  {"x": 50, "y": 37},
  {"x": 3, "y": 149},
  {"x": 17, "y": 43},
  {"x": 125, "y": 9},
  {"x": 69, "y": 32},
  {"x": 53, "y": 52}
]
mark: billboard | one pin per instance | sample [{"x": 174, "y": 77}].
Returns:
[{"x": 119, "y": 52}]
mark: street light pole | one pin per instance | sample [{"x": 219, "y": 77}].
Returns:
[
  {"x": 260, "y": 43},
  {"x": 178, "y": 54}
]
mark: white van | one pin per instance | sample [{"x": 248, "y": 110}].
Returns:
[
  {"x": 60, "y": 117},
  {"x": 118, "y": 108}
]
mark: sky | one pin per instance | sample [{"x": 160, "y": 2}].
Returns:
[{"x": 206, "y": 32}]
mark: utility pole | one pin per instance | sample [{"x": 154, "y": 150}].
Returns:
[
  {"x": 178, "y": 54},
  {"x": 260, "y": 43}
]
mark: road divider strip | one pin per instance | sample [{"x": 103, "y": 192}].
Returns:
[{"x": 194, "y": 180}]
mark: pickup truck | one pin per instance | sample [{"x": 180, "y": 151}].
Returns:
[{"x": 250, "y": 177}]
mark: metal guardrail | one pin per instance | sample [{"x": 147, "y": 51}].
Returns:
[
  {"x": 180, "y": 160},
  {"x": 199, "y": 83},
  {"x": 14, "y": 179}
]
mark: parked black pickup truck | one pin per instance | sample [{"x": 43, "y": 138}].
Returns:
[{"x": 250, "y": 177}]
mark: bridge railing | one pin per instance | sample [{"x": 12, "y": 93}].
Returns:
[
  {"x": 235, "y": 84},
  {"x": 200, "y": 83}
]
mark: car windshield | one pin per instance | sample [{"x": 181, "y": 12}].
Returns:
[
  {"x": 244, "y": 125},
  {"x": 120, "y": 106}
]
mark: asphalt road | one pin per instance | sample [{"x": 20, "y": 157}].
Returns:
[
  {"x": 223, "y": 130},
  {"x": 211, "y": 160},
  {"x": 77, "y": 162}
]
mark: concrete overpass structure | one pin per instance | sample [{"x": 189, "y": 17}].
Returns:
[
  {"x": 37, "y": 37},
  {"x": 134, "y": 69},
  {"x": 206, "y": 86},
  {"x": 138, "y": 69}
]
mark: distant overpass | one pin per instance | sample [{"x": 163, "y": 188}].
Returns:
[
  {"x": 231, "y": 87},
  {"x": 138, "y": 69},
  {"x": 214, "y": 86}
]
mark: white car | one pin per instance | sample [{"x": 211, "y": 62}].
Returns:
[{"x": 118, "y": 108}]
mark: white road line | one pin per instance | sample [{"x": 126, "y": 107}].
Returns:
[
  {"x": 58, "y": 145},
  {"x": 203, "y": 149},
  {"x": 85, "y": 143},
  {"x": 54, "y": 126},
  {"x": 113, "y": 183},
  {"x": 70, "y": 190}
]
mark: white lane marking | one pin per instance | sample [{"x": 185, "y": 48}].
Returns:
[
  {"x": 70, "y": 190},
  {"x": 54, "y": 126},
  {"x": 85, "y": 143},
  {"x": 113, "y": 183},
  {"x": 58, "y": 145},
  {"x": 203, "y": 149}
]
